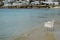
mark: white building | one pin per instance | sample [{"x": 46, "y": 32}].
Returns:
[
  {"x": 6, "y": 1},
  {"x": 22, "y": 0},
  {"x": 28, "y": 0},
  {"x": 51, "y": 2}
]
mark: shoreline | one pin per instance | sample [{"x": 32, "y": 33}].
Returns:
[
  {"x": 57, "y": 7},
  {"x": 26, "y": 34},
  {"x": 36, "y": 34}
]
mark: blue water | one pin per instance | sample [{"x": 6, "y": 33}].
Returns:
[{"x": 17, "y": 21}]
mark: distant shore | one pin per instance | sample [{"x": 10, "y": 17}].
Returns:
[{"x": 34, "y": 6}]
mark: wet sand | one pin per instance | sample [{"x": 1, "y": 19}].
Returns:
[
  {"x": 40, "y": 34},
  {"x": 49, "y": 36},
  {"x": 37, "y": 34}
]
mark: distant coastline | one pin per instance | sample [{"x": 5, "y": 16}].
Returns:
[
  {"x": 31, "y": 6},
  {"x": 57, "y": 7}
]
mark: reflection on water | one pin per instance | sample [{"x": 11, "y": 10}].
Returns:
[{"x": 16, "y": 21}]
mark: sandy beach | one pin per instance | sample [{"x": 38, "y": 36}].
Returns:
[{"x": 39, "y": 34}]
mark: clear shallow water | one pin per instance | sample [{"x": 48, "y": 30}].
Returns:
[{"x": 16, "y": 21}]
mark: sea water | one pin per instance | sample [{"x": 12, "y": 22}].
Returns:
[{"x": 16, "y": 21}]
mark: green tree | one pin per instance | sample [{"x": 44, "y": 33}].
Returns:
[{"x": 1, "y": 3}]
